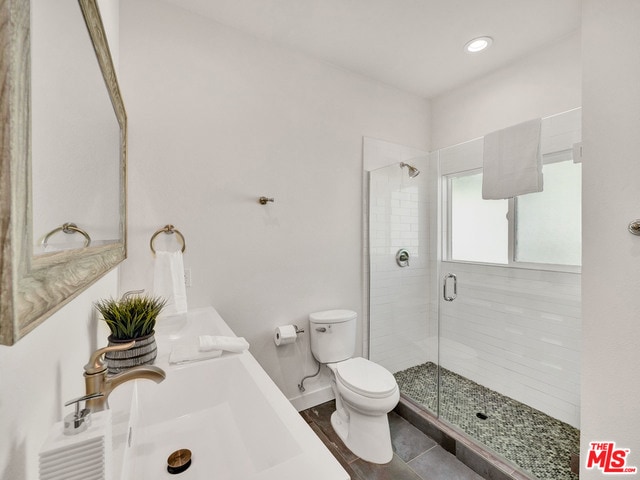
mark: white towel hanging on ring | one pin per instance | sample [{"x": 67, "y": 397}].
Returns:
[{"x": 168, "y": 281}]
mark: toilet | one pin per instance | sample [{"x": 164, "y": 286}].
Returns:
[{"x": 365, "y": 391}]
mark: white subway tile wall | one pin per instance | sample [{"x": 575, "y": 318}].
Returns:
[
  {"x": 518, "y": 332},
  {"x": 399, "y": 296}
]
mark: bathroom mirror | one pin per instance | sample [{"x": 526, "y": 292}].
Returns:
[
  {"x": 72, "y": 125},
  {"x": 34, "y": 286}
]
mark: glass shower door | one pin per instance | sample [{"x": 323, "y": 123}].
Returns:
[
  {"x": 510, "y": 324},
  {"x": 401, "y": 337}
]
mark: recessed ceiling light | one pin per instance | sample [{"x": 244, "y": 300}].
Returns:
[{"x": 478, "y": 44}]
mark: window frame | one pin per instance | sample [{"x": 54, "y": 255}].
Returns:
[{"x": 446, "y": 214}]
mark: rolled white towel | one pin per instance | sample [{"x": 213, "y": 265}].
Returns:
[{"x": 218, "y": 342}]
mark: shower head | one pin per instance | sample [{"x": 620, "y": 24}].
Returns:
[{"x": 413, "y": 171}]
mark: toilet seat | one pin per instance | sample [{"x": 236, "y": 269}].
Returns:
[{"x": 366, "y": 378}]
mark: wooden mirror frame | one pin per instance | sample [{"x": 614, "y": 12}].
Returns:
[{"x": 33, "y": 288}]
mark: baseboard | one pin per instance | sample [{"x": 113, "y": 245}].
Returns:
[{"x": 310, "y": 399}]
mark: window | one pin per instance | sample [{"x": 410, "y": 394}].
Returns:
[
  {"x": 479, "y": 228},
  {"x": 548, "y": 227},
  {"x": 538, "y": 228}
]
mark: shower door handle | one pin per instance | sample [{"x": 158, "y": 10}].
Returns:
[{"x": 447, "y": 298}]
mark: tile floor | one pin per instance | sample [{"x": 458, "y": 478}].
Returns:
[
  {"x": 416, "y": 456},
  {"x": 527, "y": 437}
]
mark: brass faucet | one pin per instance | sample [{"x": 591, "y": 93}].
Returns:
[{"x": 97, "y": 381}]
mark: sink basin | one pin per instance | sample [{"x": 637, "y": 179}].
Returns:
[
  {"x": 233, "y": 418},
  {"x": 215, "y": 410}
]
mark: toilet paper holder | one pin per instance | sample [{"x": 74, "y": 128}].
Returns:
[
  {"x": 286, "y": 334},
  {"x": 298, "y": 330}
]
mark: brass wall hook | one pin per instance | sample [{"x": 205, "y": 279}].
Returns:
[{"x": 265, "y": 200}]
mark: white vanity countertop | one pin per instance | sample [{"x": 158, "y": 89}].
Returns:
[{"x": 270, "y": 419}]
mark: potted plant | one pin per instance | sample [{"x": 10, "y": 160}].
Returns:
[{"x": 133, "y": 317}]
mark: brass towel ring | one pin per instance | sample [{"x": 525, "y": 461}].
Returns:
[
  {"x": 168, "y": 229},
  {"x": 69, "y": 228}
]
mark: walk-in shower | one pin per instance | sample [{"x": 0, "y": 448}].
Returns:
[{"x": 482, "y": 328}]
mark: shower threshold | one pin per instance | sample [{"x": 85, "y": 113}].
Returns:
[{"x": 494, "y": 435}]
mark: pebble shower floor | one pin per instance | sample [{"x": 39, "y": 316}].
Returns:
[{"x": 537, "y": 443}]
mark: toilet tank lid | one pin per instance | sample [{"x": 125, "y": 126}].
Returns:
[{"x": 332, "y": 316}]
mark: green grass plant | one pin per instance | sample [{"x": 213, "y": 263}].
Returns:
[{"x": 132, "y": 317}]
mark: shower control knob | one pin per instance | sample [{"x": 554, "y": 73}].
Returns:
[
  {"x": 634, "y": 227},
  {"x": 402, "y": 257}
]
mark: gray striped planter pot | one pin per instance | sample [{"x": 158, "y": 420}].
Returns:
[{"x": 144, "y": 352}]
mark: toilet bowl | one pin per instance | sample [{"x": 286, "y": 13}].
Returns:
[{"x": 365, "y": 392}]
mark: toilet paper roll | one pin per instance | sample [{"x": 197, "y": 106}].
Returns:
[{"x": 285, "y": 335}]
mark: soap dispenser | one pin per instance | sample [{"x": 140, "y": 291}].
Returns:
[
  {"x": 79, "y": 446},
  {"x": 79, "y": 420}
]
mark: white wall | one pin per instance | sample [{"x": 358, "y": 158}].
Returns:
[
  {"x": 43, "y": 371},
  {"x": 542, "y": 84},
  {"x": 611, "y": 199},
  {"x": 218, "y": 119}
]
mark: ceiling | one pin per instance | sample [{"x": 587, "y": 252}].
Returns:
[{"x": 414, "y": 45}]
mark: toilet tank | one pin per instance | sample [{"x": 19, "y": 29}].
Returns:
[{"x": 333, "y": 335}]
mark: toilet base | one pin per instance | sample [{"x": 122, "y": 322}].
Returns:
[{"x": 366, "y": 436}]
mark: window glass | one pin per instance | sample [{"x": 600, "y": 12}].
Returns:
[
  {"x": 548, "y": 224},
  {"x": 479, "y": 229}
]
